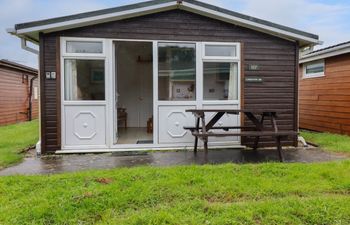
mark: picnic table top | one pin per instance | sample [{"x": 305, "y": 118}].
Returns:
[{"x": 239, "y": 110}]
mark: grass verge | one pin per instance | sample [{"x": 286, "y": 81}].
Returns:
[
  {"x": 270, "y": 193},
  {"x": 328, "y": 142},
  {"x": 15, "y": 138}
]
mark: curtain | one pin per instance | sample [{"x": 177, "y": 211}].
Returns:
[
  {"x": 233, "y": 82},
  {"x": 70, "y": 79}
]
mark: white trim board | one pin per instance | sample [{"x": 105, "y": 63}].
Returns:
[
  {"x": 99, "y": 19},
  {"x": 110, "y": 150},
  {"x": 247, "y": 23},
  {"x": 74, "y": 23}
]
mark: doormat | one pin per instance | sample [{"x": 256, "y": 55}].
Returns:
[{"x": 144, "y": 142}]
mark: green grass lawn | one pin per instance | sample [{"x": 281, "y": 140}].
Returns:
[
  {"x": 268, "y": 193},
  {"x": 328, "y": 141},
  {"x": 15, "y": 138},
  {"x": 271, "y": 193}
]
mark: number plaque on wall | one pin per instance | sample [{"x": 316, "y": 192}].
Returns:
[
  {"x": 255, "y": 79},
  {"x": 253, "y": 67}
]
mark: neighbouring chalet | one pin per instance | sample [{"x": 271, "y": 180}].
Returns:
[
  {"x": 122, "y": 78},
  {"x": 19, "y": 93},
  {"x": 325, "y": 89}
]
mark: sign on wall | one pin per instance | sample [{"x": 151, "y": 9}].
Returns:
[{"x": 253, "y": 79}]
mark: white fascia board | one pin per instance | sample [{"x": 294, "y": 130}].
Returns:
[
  {"x": 163, "y": 7},
  {"x": 325, "y": 54},
  {"x": 11, "y": 31},
  {"x": 100, "y": 18},
  {"x": 246, "y": 23}
]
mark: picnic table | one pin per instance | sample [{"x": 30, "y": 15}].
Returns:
[{"x": 204, "y": 130}]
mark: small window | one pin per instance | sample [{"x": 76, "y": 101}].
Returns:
[
  {"x": 36, "y": 93},
  {"x": 314, "y": 69},
  {"x": 220, "y": 81},
  {"x": 90, "y": 47},
  {"x": 220, "y": 50},
  {"x": 84, "y": 80}
]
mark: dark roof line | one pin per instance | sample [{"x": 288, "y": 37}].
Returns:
[
  {"x": 89, "y": 14},
  {"x": 7, "y": 63},
  {"x": 329, "y": 47},
  {"x": 155, "y": 2},
  {"x": 253, "y": 19}
]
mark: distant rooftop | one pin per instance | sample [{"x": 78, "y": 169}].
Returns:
[
  {"x": 14, "y": 65},
  {"x": 330, "y": 51},
  {"x": 329, "y": 47}
]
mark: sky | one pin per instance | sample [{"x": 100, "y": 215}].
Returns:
[{"x": 330, "y": 19}]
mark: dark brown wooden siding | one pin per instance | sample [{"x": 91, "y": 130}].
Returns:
[
  {"x": 325, "y": 101},
  {"x": 50, "y": 96},
  {"x": 14, "y": 96},
  {"x": 276, "y": 59}
]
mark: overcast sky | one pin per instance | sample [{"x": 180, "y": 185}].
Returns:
[{"x": 330, "y": 19}]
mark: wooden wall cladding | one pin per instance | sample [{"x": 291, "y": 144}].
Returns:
[
  {"x": 325, "y": 101},
  {"x": 276, "y": 58},
  {"x": 50, "y": 97},
  {"x": 14, "y": 92}
]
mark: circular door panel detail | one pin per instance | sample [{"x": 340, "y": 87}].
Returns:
[
  {"x": 84, "y": 125},
  {"x": 176, "y": 121},
  {"x": 171, "y": 120}
]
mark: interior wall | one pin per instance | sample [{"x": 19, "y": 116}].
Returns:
[{"x": 135, "y": 81}]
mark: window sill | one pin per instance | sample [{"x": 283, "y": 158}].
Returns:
[{"x": 313, "y": 76}]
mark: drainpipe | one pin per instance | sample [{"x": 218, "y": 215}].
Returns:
[{"x": 30, "y": 102}]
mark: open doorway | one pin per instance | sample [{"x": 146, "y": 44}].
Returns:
[{"x": 133, "y": 92}]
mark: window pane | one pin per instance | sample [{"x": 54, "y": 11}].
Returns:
[
  {"x": 84, "y": 47},
  {"x": 177, "y": 71},
  {"x": 220, "y": 81},
  {"x": 84, "y": 79},
  {"x": 315, "y": 68},
  {"x": 220, "y": 50}
]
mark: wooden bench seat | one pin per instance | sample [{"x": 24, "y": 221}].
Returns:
[
  {"x": 257, "y": 134},
  {"x": 218, "y": 128},
  {"x": 246, "y": 134}
]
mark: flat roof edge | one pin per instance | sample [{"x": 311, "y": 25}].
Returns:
[
  {"x": 89, "y": 14},
  {"x": 326, "y": 52},
  {"x": 253, "y": 19}
]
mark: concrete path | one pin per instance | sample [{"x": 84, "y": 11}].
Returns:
[{"x": 69, "y": 163}]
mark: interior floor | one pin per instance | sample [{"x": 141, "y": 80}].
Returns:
[{"x": 134, "y": 135}]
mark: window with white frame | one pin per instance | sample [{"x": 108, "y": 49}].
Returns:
[
  {"x": 84, "y": 70},
  {"x": 314, "y": 69},
  {"x": 84, "y": 47},
  {"x": 220, "y": 72},
  {"x": 176, "y": 71}
]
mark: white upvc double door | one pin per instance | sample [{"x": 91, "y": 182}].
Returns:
[
  {"x": 186, "y": 75},
  {"x": 216, "y": 83}
]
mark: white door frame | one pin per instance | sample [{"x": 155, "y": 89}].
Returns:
[
  {"x": 110, "y": 72},
  {"x": 100, "y": 56}
]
